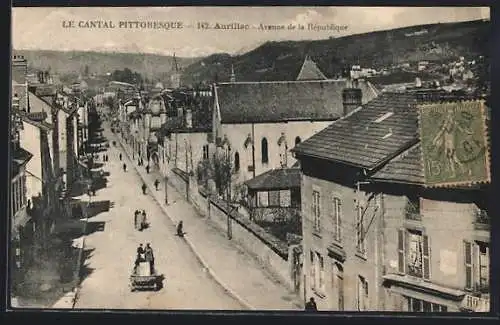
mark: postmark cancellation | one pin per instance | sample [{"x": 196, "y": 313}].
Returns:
[{"x": 454, "y": 139}]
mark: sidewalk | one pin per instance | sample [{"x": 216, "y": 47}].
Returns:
[{"x": 237, "y": 271}]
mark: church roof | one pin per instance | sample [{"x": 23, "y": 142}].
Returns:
[
  {"x": 310, "y": 71},
  {"x": 279, "y": 101}
]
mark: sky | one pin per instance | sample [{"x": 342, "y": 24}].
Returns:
[{"x": 42, "y": 28}]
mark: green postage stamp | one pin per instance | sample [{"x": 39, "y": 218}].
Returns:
[{"x": 455, "y": 148}]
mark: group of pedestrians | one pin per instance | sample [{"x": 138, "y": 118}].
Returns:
[
  {"x": 145, "y": 254},
  {"x": 140, "y": 220}
]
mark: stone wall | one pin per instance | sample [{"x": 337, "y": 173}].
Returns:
[{"x": 270, "y": 251}]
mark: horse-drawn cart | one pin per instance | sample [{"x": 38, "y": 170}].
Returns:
[{"x": 145, "y": 277}]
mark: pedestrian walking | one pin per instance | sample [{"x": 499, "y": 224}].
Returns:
[
  {"x": 143, "y": 220},
  {"x": 147, "y": 169},
  {"x": 93, "y": 189},
  {"x": 124, "y": 167},
  {"x": 140, "y": 253},
  {"x": 311, "y": 305},
  {"x": 149, "y": 256},
  {"x": 157, "y": 182},
  {"x": 136, "y": 218},
  {"x": 138, "y": 161},
  {"x": 144, "y": 188},
  {"x": 180, "y": 230},
  {"x": 120, "y": 156}
]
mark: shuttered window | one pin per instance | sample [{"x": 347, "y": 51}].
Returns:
[
  {"x": 401, "y": 251},
  {"x": 426, "y": 258},
  {"x": 468, "y": 265}
]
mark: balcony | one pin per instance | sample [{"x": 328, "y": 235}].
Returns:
[
  {"x": 481, "y": 220},
  {"x": 476, "y": 304}
]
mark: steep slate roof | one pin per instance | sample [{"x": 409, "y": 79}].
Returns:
[
  {"x": 405, "y": 168},
  {"x": 363, "y": 138},
  {"x": 37, "y": 104},
  {"x": 277, "y": 101},
  {"x": 276, "y": 179},
  {"x": 310, "y": 71}
]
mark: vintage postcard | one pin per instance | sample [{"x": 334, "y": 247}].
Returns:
[{"x": 250, "y": 158}]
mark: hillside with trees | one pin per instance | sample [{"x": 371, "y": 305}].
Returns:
[{"x": 282, "y": 60}]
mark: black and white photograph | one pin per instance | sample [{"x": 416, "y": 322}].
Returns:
[{"x": 250, "y": 159}]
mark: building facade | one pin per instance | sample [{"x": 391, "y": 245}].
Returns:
[
  {"x": 374, "y": 237},
  {"x": 262, "y": 121}
]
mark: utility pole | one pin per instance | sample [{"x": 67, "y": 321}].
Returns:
[
  {"x": 229, "y": 207},
  {"x": 187, "y": 171},
  {"x": 166, "y": 190}
]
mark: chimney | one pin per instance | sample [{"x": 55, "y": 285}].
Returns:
[
  {"x": 19, "y": 69},
  {"x": 351, "y": 99},
  {"x": 189, "y": 118}
]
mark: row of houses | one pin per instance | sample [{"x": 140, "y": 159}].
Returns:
[
  {"x": 48, "y": 132},
  {"x": 348, "y": 157}
]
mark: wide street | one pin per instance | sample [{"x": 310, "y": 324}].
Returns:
[{"x": 186, "y": 284}]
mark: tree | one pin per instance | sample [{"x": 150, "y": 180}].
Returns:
[
  {"x": 218, "y": 168},
  {"x": 222, "y": 172}
]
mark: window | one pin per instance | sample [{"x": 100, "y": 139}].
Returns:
[
  {"x": 312, "y": 270},
  {"x": 360, "y": 231},
  {"x": 362, "y": 289},
  {"x": 484, "y": 267},
  {"x": 477, "y": 266},
  {"x": 417, "y": 305},
  {"x": 236, "y": 162},
  {"x": 264, "y": 151},
  {"x": 336, "y": 218},
  {"x": 297, "y": 140},
  {"x": 205, "y": 151},
  {"x": 412, "y": 208},
  {"x": 338, "y": 284},
  {"x": 285, "y": 198},
  {"x": 263, "y": 198},
  {"x": 321, "y": 273},
  {"x": 283, "y": 149},
  {"x": 274, "y": 198},
  {"x": 414, "y": 253},
  {"x": 316, "y": 211}
]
